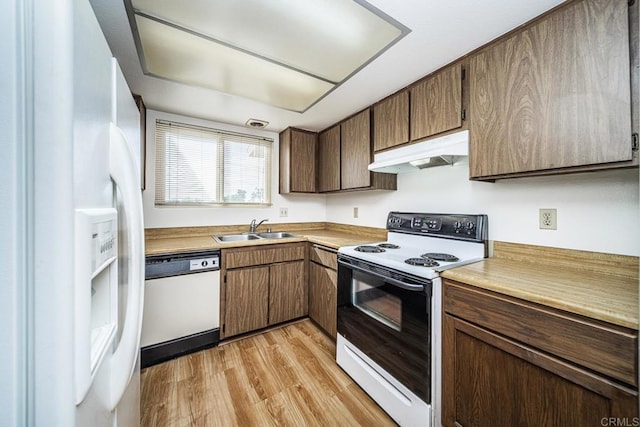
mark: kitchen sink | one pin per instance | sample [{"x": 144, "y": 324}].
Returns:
[
  {"x": 252, "y": 236},
  {"x": 236, "y": 237},
  {"x": 276, "y": 235}
]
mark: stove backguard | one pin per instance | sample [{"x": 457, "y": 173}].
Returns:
[{"x": 469, "y": 227}]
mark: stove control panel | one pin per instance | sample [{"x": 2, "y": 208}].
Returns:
[
  {"x": 452, "y": 226},
  {"x": 429, "y": 223}
]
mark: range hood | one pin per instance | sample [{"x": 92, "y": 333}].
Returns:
[{"x": 445, "y": 150}]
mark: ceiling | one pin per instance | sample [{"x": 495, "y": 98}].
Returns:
[
  {"x": 290, "y": 60},
  {"x": 441, "y": 31}
]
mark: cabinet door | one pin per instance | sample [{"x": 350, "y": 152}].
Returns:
[
  {"x": 391, "y": 121},
  {"x": 246, "y": 299},
  {"x": 298, "y": 152},
  {"x": 323, "y": 297},
  {"x": 436, "y": 103},
  {"x": 329, "y": 160},
  {"x": 284, "y": 161},
  {"x": 303, "y": 161},
  {"x": 288, "y": 297},
  {"x": 489, "y": 380},
  {"x": 555, "y": 95},
  {"x": 356, "y": 151}
]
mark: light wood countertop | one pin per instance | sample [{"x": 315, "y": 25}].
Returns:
[
  {"x": 178, "y": 240},
  {"x": 599, "y": 286}
]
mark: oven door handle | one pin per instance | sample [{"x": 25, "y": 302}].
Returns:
[{"x": 395, "y": 282}]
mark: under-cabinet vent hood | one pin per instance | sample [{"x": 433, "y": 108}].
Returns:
[{"x": 445, "y": 150}]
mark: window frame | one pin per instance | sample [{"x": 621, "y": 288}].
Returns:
[{"x": 161, "y": 200}]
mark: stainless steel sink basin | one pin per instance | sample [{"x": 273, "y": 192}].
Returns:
[
  {"x": 236, "y": 237},
  {"x": 252, "y": 236},
  {"x": 276, "y": 235}
]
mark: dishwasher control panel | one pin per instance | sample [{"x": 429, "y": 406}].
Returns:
[
  {"x": 204, "y": 263},
  {"x": 157, "y": 266}
]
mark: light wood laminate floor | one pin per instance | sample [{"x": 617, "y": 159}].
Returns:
[{"x": 284, "y": 377}]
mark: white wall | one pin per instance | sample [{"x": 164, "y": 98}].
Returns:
[
  {"x": 302, "y": 208},
  {"x": 597, "y": 211}
]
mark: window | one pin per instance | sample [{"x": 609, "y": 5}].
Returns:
[{"x": 202, "y": 166}]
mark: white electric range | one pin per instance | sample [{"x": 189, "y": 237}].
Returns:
[{"x": 390, "y": 309}]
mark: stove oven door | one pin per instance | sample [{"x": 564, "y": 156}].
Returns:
[{"x": 386, "y": 315}]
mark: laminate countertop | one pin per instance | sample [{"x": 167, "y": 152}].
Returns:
[
  {"x": 595, "y": 285},
  {"x": 179, "y": 240}
]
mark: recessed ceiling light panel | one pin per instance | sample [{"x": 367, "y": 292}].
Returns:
[{"x": 285, "y": 53}]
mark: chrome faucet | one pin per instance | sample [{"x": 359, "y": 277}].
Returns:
[{"x": 253, "y": 226}]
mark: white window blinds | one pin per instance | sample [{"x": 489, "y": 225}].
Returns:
[{"x": 202, "y": 166}]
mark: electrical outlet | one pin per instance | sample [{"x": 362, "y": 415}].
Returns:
[
  {"x": 549, "y": 219},
  {"x": 284, "y": 212},
  {"x": 355, "y": 212}
]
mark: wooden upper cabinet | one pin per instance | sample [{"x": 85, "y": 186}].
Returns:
[
  {"x": 298, "y": 151},
  {"x": 356, "y": 151},
  {"x": 391, "y": 121},
  {"x": 554, "y": 95},
  {"x": 329, "y": 159},
  {"x": 436, "y": 103}
]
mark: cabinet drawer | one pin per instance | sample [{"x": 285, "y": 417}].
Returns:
[
  {"x": 604, "y": 348},
  {"x": 243, "y": 257},
  {"x": 324, "y": 256}
]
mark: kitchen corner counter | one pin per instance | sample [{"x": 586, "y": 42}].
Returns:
[
  {"x": 165, "y": 245},
  {"x": 190, "y": 239},
  {"x": 595, "y": 285}
]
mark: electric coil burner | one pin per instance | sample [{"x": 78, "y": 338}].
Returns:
[
  {"x": 388, "y": 246},
  {"x": 440, "y": 257},
  {"x": 390, "y": 309},
  {"x": 422, "y": 262},
  {"x": 369, "y": 249}
]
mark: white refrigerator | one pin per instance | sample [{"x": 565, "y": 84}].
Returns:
[{"x": 74, "y": 241}]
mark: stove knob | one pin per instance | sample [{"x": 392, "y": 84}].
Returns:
[
  {"x": 204, "y": 263},
  {"x": 470, "y": 226},
  {"x": 457, "y": 225}
]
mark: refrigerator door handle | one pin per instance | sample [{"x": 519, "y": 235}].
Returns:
[{"x": 122, "y": 167}]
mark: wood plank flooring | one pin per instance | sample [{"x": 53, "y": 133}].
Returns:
[{"x": 284, "y": 377}]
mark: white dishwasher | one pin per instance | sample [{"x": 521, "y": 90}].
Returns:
[{"x": 181, "y": 305}]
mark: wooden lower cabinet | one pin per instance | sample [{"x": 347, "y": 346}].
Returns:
[
  {"x": 493, "y": 380},
  {"x": 262, "y": 286},
  {"x": 323, "y": 288},
  {"x": 287, "y": 292},
  {"x": 323, "y": 297},
  {"x": 246, "y": 306}
]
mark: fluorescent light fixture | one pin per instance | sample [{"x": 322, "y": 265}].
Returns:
[{"x": 285, "y": 53}]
